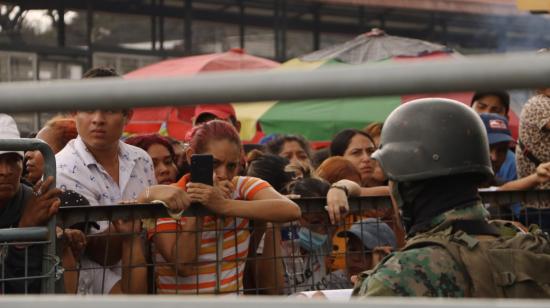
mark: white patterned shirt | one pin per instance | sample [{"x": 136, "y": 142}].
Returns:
[{"x": 78, "y": 170}]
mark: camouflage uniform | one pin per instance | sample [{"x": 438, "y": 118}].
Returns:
[{"x": 427, "y": 271}]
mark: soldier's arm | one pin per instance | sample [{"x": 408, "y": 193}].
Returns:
[
  {"x": 373, "y": 287},
  {"x": 427, "y": 271}
]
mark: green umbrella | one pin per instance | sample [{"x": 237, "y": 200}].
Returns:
[{"x": 320, "y": 119}]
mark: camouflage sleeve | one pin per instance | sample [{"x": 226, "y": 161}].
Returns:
[
  {"x": 428, "y": 271},
  {"x": 373, "y": 287}
]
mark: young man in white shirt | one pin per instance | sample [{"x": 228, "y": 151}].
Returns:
[{"x": 106, "y": 171}]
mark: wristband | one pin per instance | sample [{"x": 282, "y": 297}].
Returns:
[{"x": 341, "y": 187}]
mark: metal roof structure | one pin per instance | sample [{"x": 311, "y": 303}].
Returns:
[{"x": 489, "y": 25}]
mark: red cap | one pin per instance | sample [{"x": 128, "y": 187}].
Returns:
[{"x": 221, "y": 111}]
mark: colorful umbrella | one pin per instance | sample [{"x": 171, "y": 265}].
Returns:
[
  {"x": 320, "y": 119},
  {"x": 176, "y": 121}
]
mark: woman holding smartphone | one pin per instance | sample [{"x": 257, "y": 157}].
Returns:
[{"x": 205, "y": 255}]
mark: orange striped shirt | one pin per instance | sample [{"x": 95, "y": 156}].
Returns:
[{"x": 234, "y": 240}]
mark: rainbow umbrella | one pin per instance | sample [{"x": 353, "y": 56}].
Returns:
[{"x": 320, "y": 119}]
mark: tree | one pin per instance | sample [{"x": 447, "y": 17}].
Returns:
[{"x": 12, "y": 22}]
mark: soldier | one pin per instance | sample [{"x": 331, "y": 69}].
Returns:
[{"x": 435, "y": 153}]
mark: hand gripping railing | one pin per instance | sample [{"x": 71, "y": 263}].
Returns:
[{"x": 75, "y": 214}]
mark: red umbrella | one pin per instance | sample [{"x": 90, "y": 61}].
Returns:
[{"x": 176, "y": 121}]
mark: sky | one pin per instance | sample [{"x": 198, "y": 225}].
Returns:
[{"x": 41, "y": 22}]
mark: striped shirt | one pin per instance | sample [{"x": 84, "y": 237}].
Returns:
[{"x": 235, "y": 242}]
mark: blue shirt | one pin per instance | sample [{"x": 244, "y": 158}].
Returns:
[{"x": 508, "y": 173}]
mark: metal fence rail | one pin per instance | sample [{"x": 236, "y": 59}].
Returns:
[
  {"x": 24, "y": 234},
  {"x": 254, "y": 302},
  {"x": 74, "y": 214},
  {"x": 524, "y": 70}
]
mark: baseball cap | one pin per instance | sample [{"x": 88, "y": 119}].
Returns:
[
  {"x": 8, "y": 130},
  {"x": 221, "y": 111},
  {"x": 72, "y": 198},
  {"x": 497, "y": 128},
  {"x": 372, "y": 232}
]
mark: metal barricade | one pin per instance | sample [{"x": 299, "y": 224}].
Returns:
[
  {"x": 275, "y": 262},
  {"x": 24, "y": 237}
]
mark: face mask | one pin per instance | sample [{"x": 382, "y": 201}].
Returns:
[
  {"x": 405, "y": 194},
  {"x": 311, "y": 241},
  {"x": 405, "y": 211},
  {"x": 394, "y": 191}
]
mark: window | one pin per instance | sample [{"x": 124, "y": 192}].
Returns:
[{"x": 17, "y": 66}]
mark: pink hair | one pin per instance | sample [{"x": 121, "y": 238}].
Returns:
[{"x": 213, "y": 130}]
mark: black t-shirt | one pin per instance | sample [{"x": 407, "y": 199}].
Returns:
[
  {"x": 11, "y": 213},
  {"x": 14, "y": 258}
]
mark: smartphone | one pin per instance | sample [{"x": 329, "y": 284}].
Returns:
[{"x": 202, "y": 169}]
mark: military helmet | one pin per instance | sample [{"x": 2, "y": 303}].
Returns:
[{"x": 433, "y": 137}]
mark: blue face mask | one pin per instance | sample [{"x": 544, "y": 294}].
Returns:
[{"x": 311, "y": 241}]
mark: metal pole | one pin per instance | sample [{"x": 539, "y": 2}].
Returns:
[
  {"x": 276, "y": 28},
  {"x": 25, "y": 144},
  {"x": 316, "y": 26},
  {"x": 161, "y": 25},
  {"x": 89, "y": 33},
  {"x": 61, "y": 25},
  {"x": 362, "y": 19},
  {"x": 518, "y": 71},
  {"x": 188, "y": 23},
  {"x": 284, "y": 28},
  {"x": 241, "y": 24},
  {"x": 154, "y": 25}
]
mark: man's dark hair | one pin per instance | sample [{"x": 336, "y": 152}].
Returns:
[
  {"x": 341, "y": 141},
  {"x": 503, "y": 96},
  {"x": 275, "y": 146},
  {"x": 270, "y": 168},
  {"x": 102, "y": 72},
  {"x": 319, "y": 156},
  {"x": 99, "y": 72},
  {"x": 309, "y": 187}
]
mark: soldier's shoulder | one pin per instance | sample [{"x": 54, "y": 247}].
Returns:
[{"x": 425, "y": 271}]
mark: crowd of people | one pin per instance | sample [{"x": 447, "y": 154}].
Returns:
[{"x": 256, "y": 239}]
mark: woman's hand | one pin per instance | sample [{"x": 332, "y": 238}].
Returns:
[
  {"x": 127, "y": 227},
  {"x": 43, "y": 204},
  {"x": 337, "y": 205},
  {"x": 226, "y": 187},
  {"x": 76, "y": 241},
  {"x": 175, "y": 198},
  {"x": 337, "y": 199},
  {"x": 213, "y": 197},
  {"x": 543, "y": 173}
]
